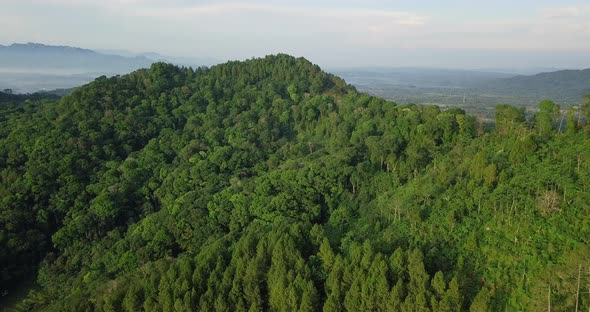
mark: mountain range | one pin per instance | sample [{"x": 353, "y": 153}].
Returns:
[{"x": 40, "y": 58}]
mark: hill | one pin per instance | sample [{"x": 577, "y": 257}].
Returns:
[
  {"x": 570, "y": 86},
  {"x": 270, "y": 184}
]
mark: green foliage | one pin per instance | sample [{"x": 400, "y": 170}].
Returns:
[
  {"x": 509, "y": 119},
  {"x": 546, "y": 117},
  {"x": 271, "y": 185}
]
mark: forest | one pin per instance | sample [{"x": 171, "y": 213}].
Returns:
[{"x": 271, "y": 185}]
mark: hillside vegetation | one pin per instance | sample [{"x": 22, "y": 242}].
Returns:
[{"x": 271, "y": 185}]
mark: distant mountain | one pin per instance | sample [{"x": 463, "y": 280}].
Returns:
[
  {"x": 176, "y": 60},
  {"x": 568, "y": 86},
  {"x": 41, "y": 58},
  {"x": 520, "y": 70}
]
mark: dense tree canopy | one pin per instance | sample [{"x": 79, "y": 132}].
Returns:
[{"x": 269, "y": 184}]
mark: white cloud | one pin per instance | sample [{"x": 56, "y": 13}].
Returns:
[
  {"x": 566, "y": 12},
  {"x": 550, "y": 28},
  {"x": 244, "y": 8}
]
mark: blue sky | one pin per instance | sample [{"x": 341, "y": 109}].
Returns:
[{"x": 429, "y": 33}]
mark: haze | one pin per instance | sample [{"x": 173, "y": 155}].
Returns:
[{"x": 427, "y": 33}]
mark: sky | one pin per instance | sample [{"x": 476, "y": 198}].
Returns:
[{"x": 471, "y": 34}]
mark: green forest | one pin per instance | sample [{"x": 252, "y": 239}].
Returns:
[{"x": 271, "y": 185}]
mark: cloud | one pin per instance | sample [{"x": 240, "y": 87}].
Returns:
[
  {"x": 548, "y": 28},
  {"x": 223, "y": 8},
  {"x": 566, "y": 12}
]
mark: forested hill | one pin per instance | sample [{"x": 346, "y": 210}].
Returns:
[
  {"x": 569, "y": 85},
  {"x": 269, "y": 184}
]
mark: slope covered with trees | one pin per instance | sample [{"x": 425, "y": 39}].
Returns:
[
  {"x": 569, "y": 85},
  {"x": 271, "y": 185}
]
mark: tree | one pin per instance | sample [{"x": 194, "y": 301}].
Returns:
[
  {"x": 508, "y": 118},
  {"x": 544, "y": 119},
  {"x": 481, "y": 302}
]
